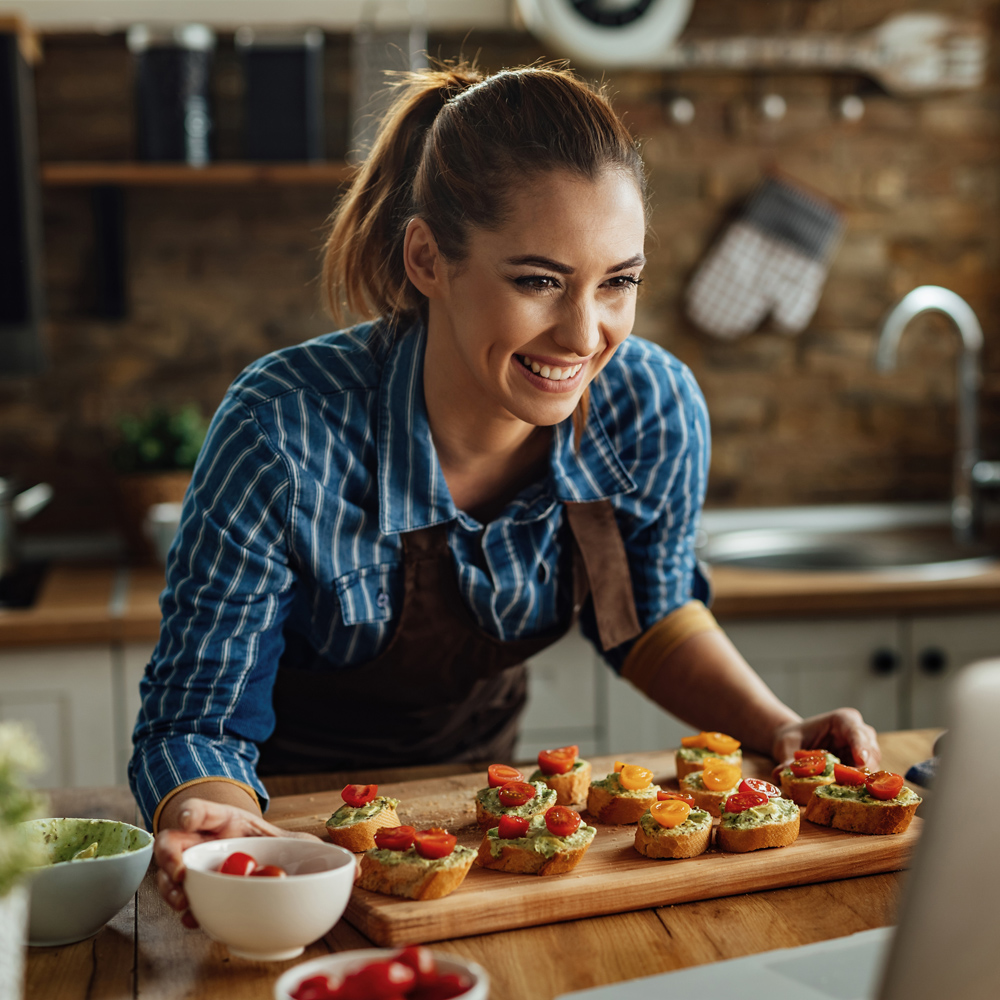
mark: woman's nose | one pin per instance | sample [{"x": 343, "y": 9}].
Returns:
[{"x": 579, "y": 331}]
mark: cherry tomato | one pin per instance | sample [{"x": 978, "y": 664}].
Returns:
[
  {"x": 758, "y": 785},
  {"x": 718, "y": 776},
  {"x": 269, "y": 871},
  {"x": 238, "y": 864},
  {"x": 619, "y": 764},
  {"x": 500, "y": 774},
  {"x": 663, "y": 796},
  {"x": 670, "y": 812},
  {"x": 380, "y": 981},
  {"x": 843, "y": 774},
  {"x": 512, "y": 827},
  {"x": 693, "y": 742},
  {"x": 359, "y": 795},
  {"x": 561, "y": 821},
  {"x": 558, "y": 761},
  {"x": 516, "y": 793},
  {"x": 315, "y": 988},
  {"x": 884, "y": 784},
  {"x": 634, "y": 777},
  {"x": 745, "y": 800},
  {"x": 808, "y": 767},
  {"x": 394, "y": 838},
  {"x": 444, "y": 987},
  {"x": 421, "y": 960},
  {"x": 721, "y": 743},
  {"x": 435, "y": 843},
  {"x": 809, "y": 753}
]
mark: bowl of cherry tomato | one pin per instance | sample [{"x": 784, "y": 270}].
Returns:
[
  {"x": 266, "y": 898},
  {"x": 414, "y": 973}
]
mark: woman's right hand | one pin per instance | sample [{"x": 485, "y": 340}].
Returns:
[{"x": 200, "y": 820}]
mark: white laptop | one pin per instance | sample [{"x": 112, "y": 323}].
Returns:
[{"x": 947, "y": 943}]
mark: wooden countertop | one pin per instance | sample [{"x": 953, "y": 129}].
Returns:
[
  {"x": 106, "y": 603},
  {"x": 145, "y": 952}
]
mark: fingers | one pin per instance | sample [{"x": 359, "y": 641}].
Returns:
[{"x": 171, "y": 892}]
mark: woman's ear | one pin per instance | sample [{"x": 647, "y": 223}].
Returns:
[{"x": 422, "y": 259}]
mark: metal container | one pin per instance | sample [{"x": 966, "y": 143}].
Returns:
[{"x": 15, "y": 507}]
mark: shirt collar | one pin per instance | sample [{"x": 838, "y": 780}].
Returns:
[{"x": 411, "y": 486}]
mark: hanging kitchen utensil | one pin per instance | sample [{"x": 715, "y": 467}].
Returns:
[{"x": 15, "y": 507}]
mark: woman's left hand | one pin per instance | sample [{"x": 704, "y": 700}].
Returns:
[{"x": 843, "y": 732}]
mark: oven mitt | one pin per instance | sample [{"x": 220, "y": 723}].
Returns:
[{"x": 772, "y": 260}]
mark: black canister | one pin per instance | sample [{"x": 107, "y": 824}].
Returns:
[{"x": 172, "y": 78}]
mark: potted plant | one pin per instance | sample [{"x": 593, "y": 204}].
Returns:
[
  {"x": 153, "y": 457},
  {"x": 19, "y": 756}
]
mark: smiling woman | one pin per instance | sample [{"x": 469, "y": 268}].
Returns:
[{"x": 385, "y": 522}]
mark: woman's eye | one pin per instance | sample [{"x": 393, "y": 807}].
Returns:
[
  {"x": 536, "y": 282},
  {"x": 624, "y": 282}
]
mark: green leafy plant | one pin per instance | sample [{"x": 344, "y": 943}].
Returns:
[
  {"x": 160, "y": 440},
  {"x": 19, "y": 757}
]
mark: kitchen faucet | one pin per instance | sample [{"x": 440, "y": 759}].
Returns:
[{"x": 968, "y": 470}]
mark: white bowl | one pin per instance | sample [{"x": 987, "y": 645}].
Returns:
[
  {"x": 269, "y": 919},
  {"x": 71, "y": 900},
  {"x": 335, "y": 966}
]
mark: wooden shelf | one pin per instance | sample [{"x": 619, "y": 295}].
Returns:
[{"x": 129, "y": 174}]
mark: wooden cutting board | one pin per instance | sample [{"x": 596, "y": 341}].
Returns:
[{"x": 611, "y": 878}]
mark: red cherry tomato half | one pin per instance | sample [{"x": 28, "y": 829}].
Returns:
[
  {"x": 500, "y": 774},
  {"x": 662, "y": 796},
  {"x": 380, "y": 981},
  {"x": 238, "y": 864},
  {"x": 884, "y": 784},
  {"x": 512, "y": 827},
  {"x": 758, "y": 785},
  {"x": 843, "y": 774},
  {"x": 516, "y": 793},
  {"x": 359, "y": 795},
  {"x": 269, "y": 871},
  {"x": 558, "y": 761},
  {"x": 421, "y": 960},
  {"x": 745, "y": 800},
  {"x": 443, "y": 988},
  {"x": 562, "y": 821},
  {"x": 315, "y": 988},
  {"x": 395, "y": 838},
  {"x": 808, "y": 767},
  {"x": 435, "y": 843},
  {"x": 799, "y": 754}
]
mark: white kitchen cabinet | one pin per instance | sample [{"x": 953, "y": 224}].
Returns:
[
  {"x": 133, "y": 657},
  {"x": 67, "y": 695}
]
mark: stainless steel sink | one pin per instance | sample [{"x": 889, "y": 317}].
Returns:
[{"x": 914, "y": 551}]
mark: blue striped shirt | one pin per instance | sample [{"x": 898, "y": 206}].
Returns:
[{"x": 318, "y": 460}]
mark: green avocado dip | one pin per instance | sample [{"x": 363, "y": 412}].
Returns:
[
  {"x": 698, "y": 754},
  {"x": 827, "y": 772},
  {"x": 540, "y": 840},
  {"x": 84, "y": 839},
  {"x": 858, "y": 793},
  {"x": 349, "y": 815},
  {"x": 696, "y": 820},
  {"x": 539, "y": 775},
  {"x": 459, "y": 856},
  {"x": 613, "y": 785},
  {"x": 544, "y": 798},
  {"x": 773, "y": 811}
]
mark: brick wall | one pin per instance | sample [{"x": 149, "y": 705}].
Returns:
[{"x": 219, "y": 276}]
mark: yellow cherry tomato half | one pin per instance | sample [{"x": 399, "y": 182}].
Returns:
[
  {"x": 619, "y": 764},
  {"x": 718, "y": 775},
  {"x": 634, "y": 777},
  {"x": 721, "y": 743},
  {"x": 694, "y": 741},
  {"x": 670, "y": 812}
]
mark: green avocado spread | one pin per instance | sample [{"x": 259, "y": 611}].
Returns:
[
  {"x": 697, "y": 819},
  {"x": 540, "y": 840},
  {"x": 349, "y": 815},
  {"x": 613, "y": 785},
  {"x": 827, "y": 772},
  {"x": 858, "y": 793},
  {"x": 539, "y": 775},
  {"x": 773, "y": 811},
  {"x": 458, "y": 857},
  {"x": 544, "y": 797},
  {"x": 700, "y": 753}
]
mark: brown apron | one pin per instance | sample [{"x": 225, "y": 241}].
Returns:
[{"x": 443, "y": 689}]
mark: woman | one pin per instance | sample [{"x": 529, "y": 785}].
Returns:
[{"x": 385, "y": 522}]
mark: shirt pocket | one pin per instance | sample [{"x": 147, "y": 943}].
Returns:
[{"x": 370, "y": 594}]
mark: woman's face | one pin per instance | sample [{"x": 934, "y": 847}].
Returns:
[{"x": 537, "y": 308}]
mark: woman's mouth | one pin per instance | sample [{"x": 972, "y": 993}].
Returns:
[{"x": 552, "y": 373}]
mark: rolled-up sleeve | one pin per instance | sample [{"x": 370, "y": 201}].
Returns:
[{"x": 206, "y": 693}]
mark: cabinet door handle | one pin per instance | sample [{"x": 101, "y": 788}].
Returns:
[
  {"x": 933, "y": 661},
  {"x": 885, "y": 661}
]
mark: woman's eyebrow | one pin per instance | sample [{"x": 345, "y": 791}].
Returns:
[{"x": 559, "y": 268}]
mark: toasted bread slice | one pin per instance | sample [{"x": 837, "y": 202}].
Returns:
[
  {"x": 489, "y": 809},
  {"x": 704, "y": 798},
  {"x": 687, "y": 763},
  {"x": 865, "y": 815},
  {"x": 617, "y": 809},
  {"x": 523, "y": 855},
  {"x": 687, "y": 840},
  {"x": 570, "y": 788},
  {"x": 756, "y": 838},
  {"x": 413, "y": 877},
  {"x": 360, "y": 836},
  {"x": 800, "y": 790}
]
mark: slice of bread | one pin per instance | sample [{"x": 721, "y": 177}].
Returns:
[
  {"x": 570, "y": 788},
  {"x": 864, "y": 814},
  {"x": 800, "y": 790},
  {"x": 686, "y": 840},
  {"x": 689, "y": 760},
  {"x": 359, "y": 835},
  {"x": 756, "y": 838},
  {"x": 704, "y": 798},
  {"x": 407, "y": 874},
  {"x": 537, "y": 853},
  {"x": 614, "y": 808},
  {"x": 489, "y": 808}
]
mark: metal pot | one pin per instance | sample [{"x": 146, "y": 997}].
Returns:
[{"x": 15, "y": 507}]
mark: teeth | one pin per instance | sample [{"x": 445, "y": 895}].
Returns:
[{"x": 549, "y": 372}]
